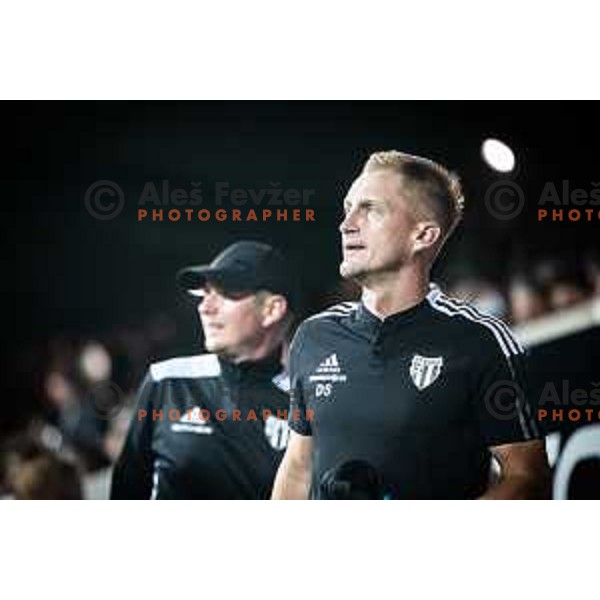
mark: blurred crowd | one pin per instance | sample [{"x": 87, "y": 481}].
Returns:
[
  {"x": 533, "y": 291},
  {"x": 71, "y": 434},
  {"x": 72, "y": 424}
]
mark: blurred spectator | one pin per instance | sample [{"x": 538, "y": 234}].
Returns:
[
  {"x": 592, "y": 267},
  {"x": 95, "y": 363},
  {"x": 31, "y": 471},
  {"x": 566, "y": 292},
  {"x": 527, "y": 299},
  {"x": 566, "y": 283},
  {"x": 46, "y": 477},
  {"x": 68, "y": 393},
  {"x": 60, "y": 391}
]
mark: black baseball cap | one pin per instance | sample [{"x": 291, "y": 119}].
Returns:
[{"x": 245, "y": 266}]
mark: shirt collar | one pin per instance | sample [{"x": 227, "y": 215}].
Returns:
[
  {"x": 258, "y": 370},
  {"x": 375, "y": 327}
]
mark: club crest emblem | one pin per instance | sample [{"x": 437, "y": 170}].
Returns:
[{"x": 424, "y": 370}]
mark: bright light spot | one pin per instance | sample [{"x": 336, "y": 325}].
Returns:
[{"x": 498, "y": 155}]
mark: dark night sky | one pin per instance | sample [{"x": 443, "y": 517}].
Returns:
[{"x": 71, "y": 272}]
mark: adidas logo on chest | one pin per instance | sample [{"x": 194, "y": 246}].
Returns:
[{"x": 329, "y": 369}]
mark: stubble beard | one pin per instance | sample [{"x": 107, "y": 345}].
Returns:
[
  {"x": 359, "y": 274},
  {"x": 366, "y": 276}
]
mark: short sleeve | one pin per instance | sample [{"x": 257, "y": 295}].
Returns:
[
  {"x": 298, "y": 417},
  {"x": 503, "y": 404}
]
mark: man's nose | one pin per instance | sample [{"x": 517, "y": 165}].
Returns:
[
  {"x": 349, "y": 224},
  {"x": 209, "y": 303}
]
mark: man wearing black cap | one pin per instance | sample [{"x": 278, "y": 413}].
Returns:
[{"x": 214, "y": 426}]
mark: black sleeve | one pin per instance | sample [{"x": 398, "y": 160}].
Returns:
[
  {"x": 297, "y": 417},
  {"x": 504, "y": 410},
  {"x": 132, "y": 474}
]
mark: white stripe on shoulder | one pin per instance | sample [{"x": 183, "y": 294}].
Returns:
[
  {"x": 479, "y": 316},
  {"x": 282, "y": 381},
  {"x": 438, "y": 301},
  {"x": 203, "y": 365},
  {"x": 436, "y": 294},
  {"x": 338, "y": 310},
  {"x": 476, "y": 312}
]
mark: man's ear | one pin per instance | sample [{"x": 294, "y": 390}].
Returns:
[
  {"x": 427, "y": 235},
  {"x": 273, "y": 310}
]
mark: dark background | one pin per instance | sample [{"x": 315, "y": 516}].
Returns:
[{"x": 66, "y": 273}]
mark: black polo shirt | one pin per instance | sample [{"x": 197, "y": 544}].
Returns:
[{"x": 420, "y": 396}]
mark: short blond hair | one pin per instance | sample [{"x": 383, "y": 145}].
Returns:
[{"x": 427, "y": 182}]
